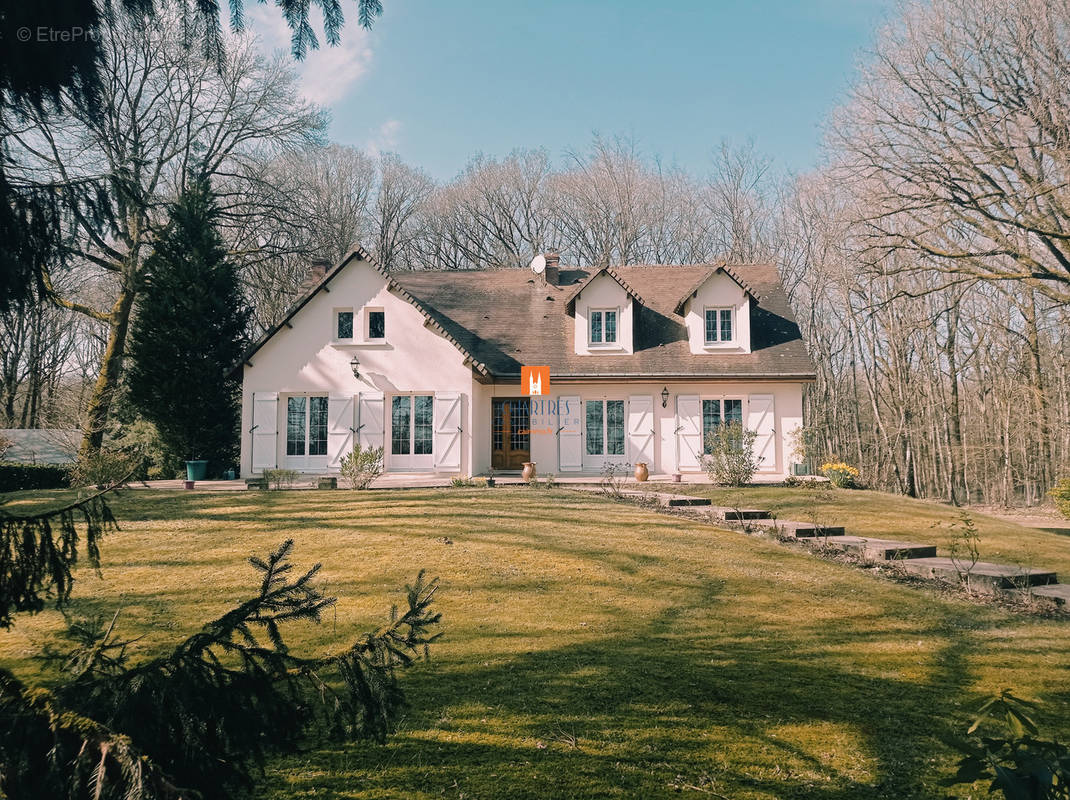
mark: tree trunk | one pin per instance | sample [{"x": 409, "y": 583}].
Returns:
[{"x": 100, "y": 401}]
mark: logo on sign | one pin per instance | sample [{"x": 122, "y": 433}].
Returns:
[{"x": 534, "y": 380}]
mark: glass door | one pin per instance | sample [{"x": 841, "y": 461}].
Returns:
[
  {"x": 411, "y": 432},
  {"x": 603, "y": 433},
  {"x": 306, "y": 433}
]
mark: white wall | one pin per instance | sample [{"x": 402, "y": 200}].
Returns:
[
  {"x": 719, "y": 291},
  {"x": 603, "y": 292},
  {"x": 787, "y": 415},
  {"x": 308, "y": 359}
]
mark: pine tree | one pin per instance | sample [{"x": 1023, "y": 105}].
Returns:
[{"x": 189, "y": 333}]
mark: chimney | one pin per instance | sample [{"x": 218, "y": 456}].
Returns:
[
  {"x": 317, "y": 269},
  {"x": 552, "y": 271}
]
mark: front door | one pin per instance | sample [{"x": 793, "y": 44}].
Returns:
[
  {"x": 511, "y": 434},
  {"x": 603, "y": 431}
]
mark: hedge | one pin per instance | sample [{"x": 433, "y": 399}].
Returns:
[{"x": 16, "y": 477}]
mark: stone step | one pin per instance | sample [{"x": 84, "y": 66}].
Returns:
[
  {"x": 883, "y": 549},
  {"x": 739, "y": 514},
  {"x": 677, "y": 500},
  {"x": 983, "y": 576},
  {"x": 800, "y": 530},
  {"x": 1057, "y": 594}
]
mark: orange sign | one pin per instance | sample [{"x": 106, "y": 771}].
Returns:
[{"x": 534, "y": 380}]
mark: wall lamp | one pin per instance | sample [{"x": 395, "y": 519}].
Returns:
[
  {"x": 665, "y": 397},
  {"x": 354, "y": 364}
]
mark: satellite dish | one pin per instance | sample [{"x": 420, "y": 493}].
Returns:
[{"x": 538, "y": 264}]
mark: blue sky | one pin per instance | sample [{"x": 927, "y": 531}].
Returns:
[{"x": 438, "y": 81}]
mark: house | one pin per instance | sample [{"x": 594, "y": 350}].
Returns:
[
  {"x": 41, "y": 445},
  {"x": 643, "y": 360}
]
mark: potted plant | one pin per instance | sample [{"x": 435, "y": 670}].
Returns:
[
  {"x": 641, "y": 471},
  {"x": 677, "y": 477},
  {"x": 490, "y": 477}
]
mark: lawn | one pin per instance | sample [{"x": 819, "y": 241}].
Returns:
[{"x": 593, "y": 649}]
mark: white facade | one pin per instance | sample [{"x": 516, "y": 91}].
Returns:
[{"x": 416, "y": 394}]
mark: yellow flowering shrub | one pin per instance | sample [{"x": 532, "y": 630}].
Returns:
[{"x": 840, "y": 475}]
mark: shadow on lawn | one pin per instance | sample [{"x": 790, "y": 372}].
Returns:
[{"x": 660, "y": 711}]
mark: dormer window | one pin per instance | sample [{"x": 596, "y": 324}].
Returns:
[
  {"x": 720, "y": 325},
  {"x": 603, "y": 326},
  {"x": 343, "y": 328},
  {"x": 376, "y": 324}
]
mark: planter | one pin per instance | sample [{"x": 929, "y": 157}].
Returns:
[
  {"x": 529, "y": 470},
  {"x": 677, "y": 477},
  {"x": 490, "y": 482},
  {"x": 196, "y": 470},
  {"x": 800, "y": 469},
  {"x": 187, "y": 484},
  {"x": 641, "y": 471}
]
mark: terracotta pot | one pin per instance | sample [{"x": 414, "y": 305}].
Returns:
[
  {"x": 529, "y": 470},
  {"x": 677, "y": 477},
  {"x": 641, "y": 471}
]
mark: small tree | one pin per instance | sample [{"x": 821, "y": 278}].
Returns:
[
  {"x": 360, "y": 466},
  {"x": 1060, "y": 493},
  {"x": 189, "y": 333},
  {"x": 730, "y": 459}
]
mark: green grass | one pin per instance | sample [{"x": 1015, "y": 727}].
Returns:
[
  {"x": 592, "y": 649},
  {"x": 889, "y": 516}
]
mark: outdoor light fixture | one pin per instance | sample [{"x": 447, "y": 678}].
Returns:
[
  {"x": 664, "y": 396},
  {"x": 354, "y": 364}
]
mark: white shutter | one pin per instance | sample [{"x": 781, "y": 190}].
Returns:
[
  {"x": 569, "y": 440},
  {"x": 761, "y": 420},
  {"x": 370, "y": 422},
  {"x": 265, "y": 430},
  {"x": 341, "y": 423},
  {"x": 448, "y": 428},
  {"x": 688, "y": 432},
  {"x": 641, "y": 429}
]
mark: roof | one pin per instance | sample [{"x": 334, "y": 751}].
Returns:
[
  {"x": 42, "y": 445},
  {"x": 727, "y": 270},
  {"x": 508, "y": 318},
  {"x": 501, "y": 319}
]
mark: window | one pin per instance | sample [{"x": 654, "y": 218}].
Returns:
[
  {"x": 718, "y": 325},
  {"x": 412, "y": 424},
  {"x": 306, "y": 426},
  {"x": 716, "y": 413},
  {"x": 344, "y": 325},
  {"x": 603, "y": 326},
  {"x": 376, "y": 324},
  {"x": 605, "y": 427}
]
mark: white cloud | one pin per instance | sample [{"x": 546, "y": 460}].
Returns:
[
  {"x": 385, "y": 139},
  {"x": 327, "y": 74}
]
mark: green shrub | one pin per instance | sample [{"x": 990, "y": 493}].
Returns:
[
  {"x": 22, "y": 477},
  {"x": 1061, "y": 494},
  {"x": 280, "y": 478},
  {"x": 105, "y": 467},
  {"x": 731, "y": 460},
  {"x": 361, "y": 466},
  {"x": 465, "y": 482}
]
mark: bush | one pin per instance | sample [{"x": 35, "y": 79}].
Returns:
[
  {"x": 157, "y": 461},
  {"x": 21, "y": 477},
  {"x": 840, "y": 475},
  {"x": 1061, "y": 494},
  {"x": 280, "y": 478},
  {"x": 104, "y": 467},
  {"x": 362, "y": 466},
  {"x": 731, "y": 460}
]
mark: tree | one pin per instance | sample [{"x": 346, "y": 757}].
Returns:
[
  {"x": 956, "y": 142},
  {"x": 189, "y": 333},
  {"x": 169, "y": 118}
]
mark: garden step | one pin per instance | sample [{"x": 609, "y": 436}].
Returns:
[
  {"x": 883, "y": 549},
  {"x": 1057, "y": 594},
  {"x": 983, "y": 576},
  {"x": 740, "y": 514},
  {"x": 800, "y": 530},
  {"x": 674, "y": 500}
]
